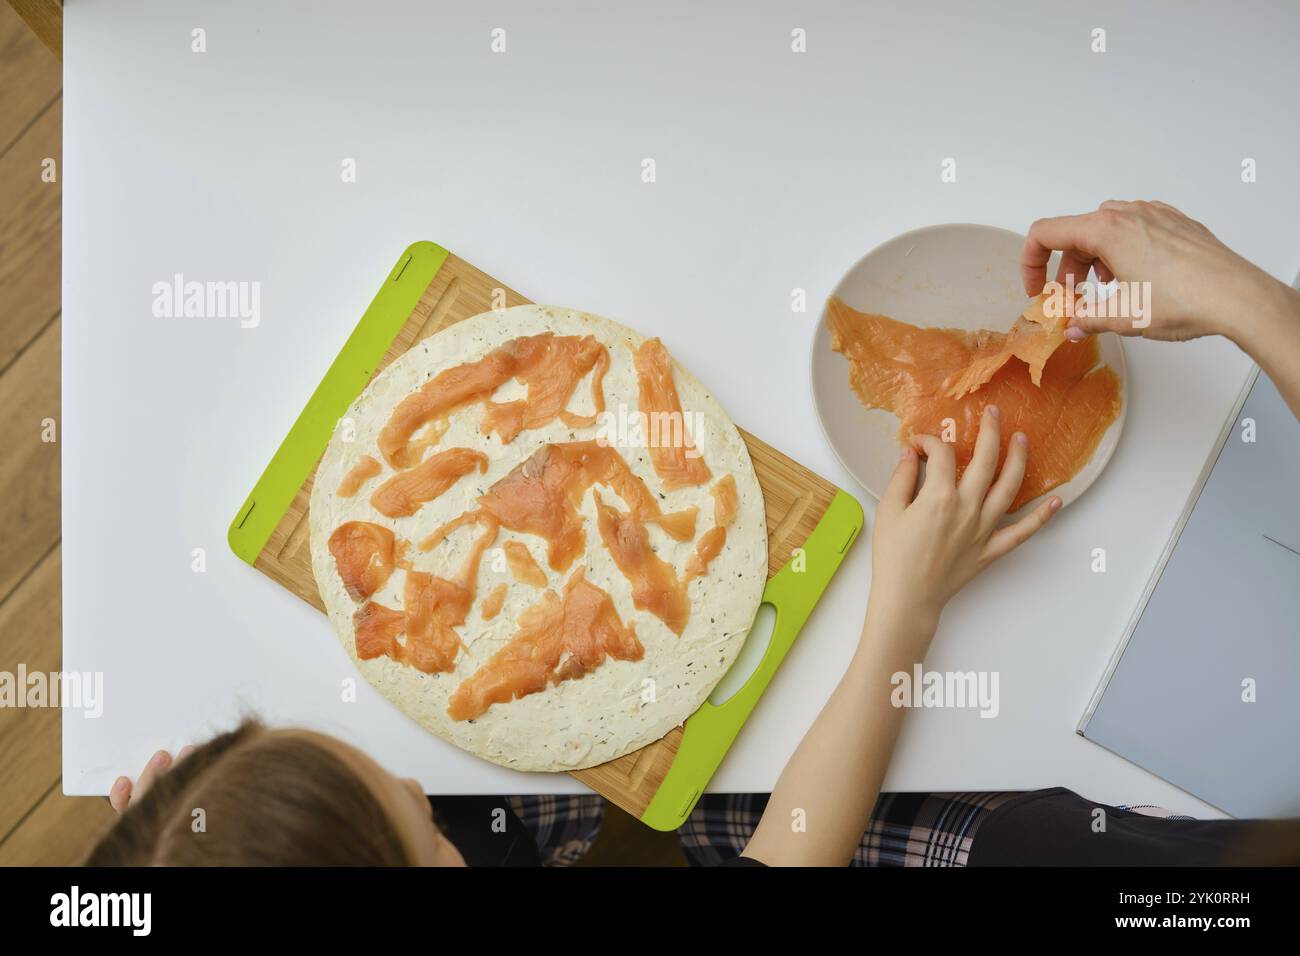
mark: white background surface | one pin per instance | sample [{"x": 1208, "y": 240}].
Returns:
[{"x": 775, "y": 171}]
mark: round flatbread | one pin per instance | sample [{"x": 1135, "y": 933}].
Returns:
[{"x": 621, "y": 705}]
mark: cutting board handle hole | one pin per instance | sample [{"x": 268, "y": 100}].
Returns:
[{"x": 750, "y": 656}]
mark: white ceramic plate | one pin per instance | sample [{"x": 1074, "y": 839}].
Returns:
[{"x": 958, "y": 276}]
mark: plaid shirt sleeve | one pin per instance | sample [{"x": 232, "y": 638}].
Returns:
[{"x": 906, "y": 829}]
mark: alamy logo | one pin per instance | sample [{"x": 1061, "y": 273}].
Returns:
[
  {"x": 75, "y": 908},
  {"x": 1121, "y": 300},
  {"x": 75, "y": 690},
  {"x": 962, "y": 689},
  {"x": 179, "y": 299},
  {"x": 626, "y": 428}
]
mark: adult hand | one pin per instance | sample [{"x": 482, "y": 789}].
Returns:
[{"x": 1198, "y": 286}]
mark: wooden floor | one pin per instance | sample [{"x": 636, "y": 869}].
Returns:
[{"x": 38, "y": 825}]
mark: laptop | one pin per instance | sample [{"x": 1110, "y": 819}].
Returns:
[{"x": 1204, "y": 688}]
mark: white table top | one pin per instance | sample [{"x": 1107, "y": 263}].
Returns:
[{"x": 775, "y": 170}]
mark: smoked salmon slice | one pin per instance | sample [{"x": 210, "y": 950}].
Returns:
[
  {"x": 432, "y": 607},
  {"x": 376, "y": 628},
  {"x": 655, "y": 587},
  {"x": 726, "y": 502},
  {"x": 363, "y": 554},
  {"x": 909, "y": 371},
  {"x": 437, "y": 398},
  {"x": 706, "y": 549},
  {"x": 365, "y": 469},
  {"x": 559, "y": 639},
  {"x": 549, "y": 365},
  {"x": 541, "y": 496},
  {"x": 493, "y": 602},
  {"x": 468, "y": 575},
  {"x": 597, "y": 395},
  {"x": 523, "y": 565},
  {"x": 1033, "y": 339},
  {"x": 440, "y": 533},
  {"x": 676, "y": 460},
  {"x": 404, "y": 493}
]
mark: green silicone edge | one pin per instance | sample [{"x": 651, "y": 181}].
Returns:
[
  {"x": 347, "y": 376},
  {"x": 711, "y": 730}
]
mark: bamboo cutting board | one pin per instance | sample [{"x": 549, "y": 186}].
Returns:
[{"x": 271, "y": 530}]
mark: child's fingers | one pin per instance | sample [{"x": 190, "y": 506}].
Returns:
[
  {"x": 940, "y": 464},
  {"x": 902, "y": 485},
  {"x": 977, "y": 477},
  {"x": 119, "y": 795},
  {"x": 1008, "y": 482},
  {"x": 1014, "y": 535},
  {"x": 157, "y": 765}
]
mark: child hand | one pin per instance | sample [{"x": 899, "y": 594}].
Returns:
[
  {"x": 124, "y": 792},
  {"x": 926, "y": 546}
]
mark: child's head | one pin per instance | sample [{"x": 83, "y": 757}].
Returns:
[{"x": 277, "y": 798}]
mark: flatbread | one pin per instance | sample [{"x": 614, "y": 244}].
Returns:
[{"x": 622, "y": 705}]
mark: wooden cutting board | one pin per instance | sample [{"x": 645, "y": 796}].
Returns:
[{"x": 795, "y": 498}]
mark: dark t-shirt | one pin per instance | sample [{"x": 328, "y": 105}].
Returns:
[
  {"x": 1058, "y": 827},
  {"x": 468, "y": 822}
]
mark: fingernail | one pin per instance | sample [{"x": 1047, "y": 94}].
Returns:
[
  {"x": 1054, "y": 505},
  {"x": 1075, "y": 334},
  {"x": 161, "y": 759},
  {"x": 120, "y": 784},
  {"x": 993, "y": 410},
  {"x": 1022, "y": 438},
  {"x": 906, "y": 453}
]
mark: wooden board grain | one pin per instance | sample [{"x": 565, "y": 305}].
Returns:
[{"x": 794, "y": 498}]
